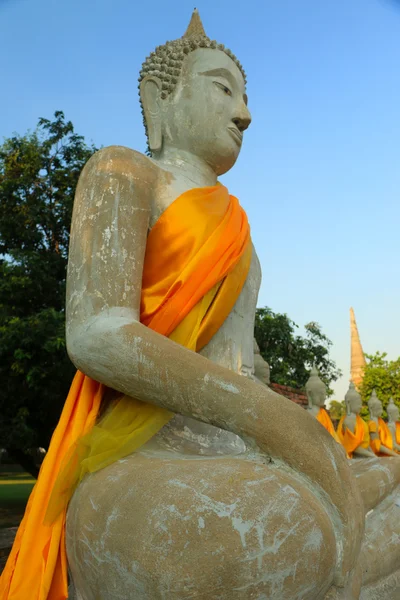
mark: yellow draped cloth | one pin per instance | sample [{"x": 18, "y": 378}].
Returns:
[
  {"x": 197, "y": 259},
  {"x": 326, "y": 422},
  {"x": 398, "y": 432},
  {"x": 351, "y": 441},
  {"x": 385, "y": 436}
]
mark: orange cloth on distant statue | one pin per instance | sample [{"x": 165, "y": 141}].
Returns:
[
  {"x": 351, "y": 441},
  {"x": 385, "y": 436},
  {"x": 197, "y": 260},
  {"x": 326, "y": 422},
  {"x": 398, "y": 432}
]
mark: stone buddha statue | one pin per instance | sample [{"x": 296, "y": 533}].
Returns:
[
  {"x": 261, "y": 367},
  {"x": 316, "y": 394},
  {"x": 394, "y": 423},
  {"x": 217, "y": 487},
  {"x": 381, "y": 437},
  {"x": 220, "y": 501},
  {"x": 352, "y": 430}
]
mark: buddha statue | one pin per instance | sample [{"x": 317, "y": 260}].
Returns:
[
  {"x": 381, "y": 437},
  {"x": 219, "y": 501},
  {"x": 352, "y": 430},
  {"x": 394, "y": 423},
  {"x": 316, "y": 394},
  {"x": 261, "y": 367},
  {"x": 188, "y": 478}
]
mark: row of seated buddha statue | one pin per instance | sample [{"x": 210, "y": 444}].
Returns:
[{"x": 360, "y": 439}]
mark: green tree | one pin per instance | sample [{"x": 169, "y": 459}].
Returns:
[
  {"x": 337, "y": 410},
  {"x": 38, "y": 176},
  {"x": 291, "y": 356},
  {"x": 383, "y": 376}
]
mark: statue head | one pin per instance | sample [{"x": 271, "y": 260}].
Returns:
[
  {"x": 315, "y": 389},
  {"x": 193, "y": 98},
  {"x": 375, "y": 405},
  {"x": 353, "y": 400},
  {"x": 392, "y": 411},
  {"x": 261, "y": 367}
]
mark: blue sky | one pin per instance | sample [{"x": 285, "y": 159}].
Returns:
[{"x": 319, "y": 171}]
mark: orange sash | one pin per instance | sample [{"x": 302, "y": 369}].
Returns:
[
  {"x": 351, "y": 441},
  {"x": 385, "y": 436},
  {"x": 398, "y": 432},
  {"x": 197, "y": 260},
  {"x": 326, "y": 422}
]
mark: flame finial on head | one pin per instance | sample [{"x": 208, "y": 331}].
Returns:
[{"x": 195, "y": 27}]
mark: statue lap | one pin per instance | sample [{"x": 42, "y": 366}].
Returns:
[
  {"x": 222, "y": 527},
  {"x": 195, "y": 512}
]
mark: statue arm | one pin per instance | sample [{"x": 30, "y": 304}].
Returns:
[
  {"x": 350, "y": 423},
  {"x": 385, "y": 450},
  {"x": 106, "y": 341},
  {"x": 364, "y": 452},
  {"x": 374, "y": 435},
  {"x": 393, "y": 432}
]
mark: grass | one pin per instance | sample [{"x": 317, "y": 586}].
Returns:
[{"x": 15, "y": 488}]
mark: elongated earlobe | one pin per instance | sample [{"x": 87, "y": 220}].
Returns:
[{"x": 150, "y": 94}]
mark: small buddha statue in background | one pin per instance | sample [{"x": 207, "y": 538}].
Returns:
[
  {"x": 394, "y": 423},
  {"x": 381, "y": 437},
  {"x": 261, "y": 367},
  {"x": 352, "y": 430},
  {"x": 316, "y": 394}
]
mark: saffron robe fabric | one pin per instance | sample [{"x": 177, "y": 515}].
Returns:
[
  {"x": 385, "y": 436},
  {"x": 325, "y": 420},
  {"x": 197, "y": 260},
  {"x": 351, "y": 441}
]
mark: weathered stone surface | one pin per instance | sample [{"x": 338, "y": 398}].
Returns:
[{"x": 215, "y": 528}]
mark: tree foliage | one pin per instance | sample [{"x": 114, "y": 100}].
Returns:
[
  {"x": 38, "y": 176},
  {"x": 291, "y": 356},
  {"x": 337, "y": 410},
  {"x": 383, "y": 376}
]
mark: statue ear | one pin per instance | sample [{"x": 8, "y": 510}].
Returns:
[{"x": 150, "y": 94}]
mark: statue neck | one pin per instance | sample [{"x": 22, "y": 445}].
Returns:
[{"x": 182, "y": 163}]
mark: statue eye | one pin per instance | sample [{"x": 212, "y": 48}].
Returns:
[{"x": 223, "y": 87}]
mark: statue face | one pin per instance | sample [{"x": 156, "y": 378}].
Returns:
[
  {"x": 262, "y": 371},
  {"x": 393, "y": 414},
  {"x": 207, "y": 112},
  {"x": 317, "y": 397},
  {"x": 355, "y": 405},
  {"x": 377, "y": 409}
]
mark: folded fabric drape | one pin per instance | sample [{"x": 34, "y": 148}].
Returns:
[{"x": 197, "y": 259}]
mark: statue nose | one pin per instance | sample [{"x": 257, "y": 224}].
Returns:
[{"x": 242, "y": 122}]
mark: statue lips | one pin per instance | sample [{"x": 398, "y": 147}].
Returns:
[{"x": 236, "y": 134}]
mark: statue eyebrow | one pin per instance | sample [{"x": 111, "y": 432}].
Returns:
[{"x": 221, "y": 72}]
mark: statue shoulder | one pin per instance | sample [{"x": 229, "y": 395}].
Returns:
[{"x": 132, "y": 171}]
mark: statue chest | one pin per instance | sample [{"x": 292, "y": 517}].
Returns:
[{"x": 232, "y": 345}]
